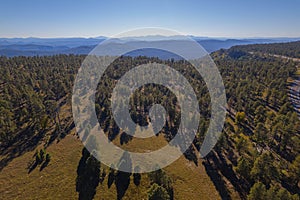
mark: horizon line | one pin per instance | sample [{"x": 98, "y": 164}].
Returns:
[{"x": 157, "y": 35}]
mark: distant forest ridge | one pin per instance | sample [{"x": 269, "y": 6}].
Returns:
[{"x": 11, "y": 47}]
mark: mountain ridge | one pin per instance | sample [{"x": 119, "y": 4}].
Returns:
[{"x": 11, "y": 47}]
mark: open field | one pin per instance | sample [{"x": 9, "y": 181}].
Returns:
[{"x": 57, "y": 180}]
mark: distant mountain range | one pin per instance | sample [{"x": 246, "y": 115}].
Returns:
[{"x": 50, "y": 46}]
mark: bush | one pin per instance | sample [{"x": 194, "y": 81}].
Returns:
[{"x": 157, "y": 192}]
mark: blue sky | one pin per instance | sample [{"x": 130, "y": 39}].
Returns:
[{"x": 90, "y": 18}]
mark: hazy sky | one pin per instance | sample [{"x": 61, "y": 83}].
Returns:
[{"x": 89, "y": 18}]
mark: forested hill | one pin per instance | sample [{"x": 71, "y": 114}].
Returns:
[
  {"x": 260, "y": 152},
  {"x": 257, "y": 157},
  {"x": 290, "y": 49}
]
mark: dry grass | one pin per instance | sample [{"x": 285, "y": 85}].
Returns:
[
  {"x": 57, "y": 180},
  {"x": 189, "y": 181}
]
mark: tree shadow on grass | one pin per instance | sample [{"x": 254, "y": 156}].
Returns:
[
  {"x": 216, "y": 167},
  {"x": 122, "y": 183},
  {"x": 111, "y": 179},
  {"x": 32, "y": 166},
  {"x": 45, "y": 164},
  {"x": 88, "y": 172},
  {"x": 122, "y": 179},
  {"x": 216, "y": 179},
  {"x": 24, "y": 142}
]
